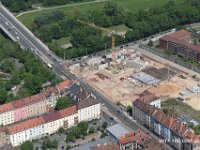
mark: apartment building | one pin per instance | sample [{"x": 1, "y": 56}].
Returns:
[
  {"x": 6, "y": 114},
  {"x": 32, "y": 106},
  {"x": 85, "y": 108},
  {"x": 88, "y": 106},
  {"x": 150, "y": 98},
  {"x": 176, "y": 133},
  {"x": 180, "y": 44}
]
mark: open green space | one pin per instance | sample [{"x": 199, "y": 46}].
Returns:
[
  {"x": 180, "y": 108},
  {"x": 198, "y": 28},
  {"x": 128, "y": 5},
  {"x": 119, "y": 28},
  {"x": 62, "y": 41}
]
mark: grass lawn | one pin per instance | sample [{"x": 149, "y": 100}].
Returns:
[
  {"x": 197, "y": 28},
  {"x": 63, "y": 41},
  {"x": 119, "y": 28},
  {"x": 128, "y": 5},
  {"x": 182, "y": 108}
]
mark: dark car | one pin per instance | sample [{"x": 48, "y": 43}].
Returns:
[
  {"x": 126, "y": 45},
  {"x": 121, "y": 47}
]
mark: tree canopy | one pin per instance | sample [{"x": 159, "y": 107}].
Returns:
[
  {"x": 28, "y": 145},
  {"x": 24, "y": 70},
  {"x": 63, "y": 103}
]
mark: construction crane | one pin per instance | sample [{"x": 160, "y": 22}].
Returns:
[{"x": 106, "y": 30}]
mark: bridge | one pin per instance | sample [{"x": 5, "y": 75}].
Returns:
[
  {"x": 25, "y": 38},
  {"x": 19, "y": 33}
]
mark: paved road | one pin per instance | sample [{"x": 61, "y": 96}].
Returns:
[
  {"x": 23, "y": 32},
  {"x": 23, "y": 35}
]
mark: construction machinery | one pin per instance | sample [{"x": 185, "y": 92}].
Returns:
[{"x": 106, "y": 30}]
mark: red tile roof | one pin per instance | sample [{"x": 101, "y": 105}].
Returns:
[
  {"x": 168, "y": 122},
  {"x": 127, "y": 138},
  {"x": 180, "y": 34},
  {"x": 150, "y": 110},
  {"x": 64, "y": 84},
  {"x": 147, "y": 97},
  {"x": 18, "y": 127},
  {"x": 12, "y": 129},
  {"x": 28, "y": 100},
  {"x": 6, "y": 107},
  {"x": 68, "y": 111},
  {"x": 177, "y": 38},
  {"x": 50, "y": 90},
  {"x": 52, "y": 116},
  {"x": 34, "y": 98},
  {"x": 179, "y": 128}
]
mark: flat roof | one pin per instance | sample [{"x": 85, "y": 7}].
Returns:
[
  {"x": 117, "y": 130},
  {"x": 145, "y": 78}
]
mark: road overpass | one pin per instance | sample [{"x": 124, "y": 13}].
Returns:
[{"x": 19, "y": 33}]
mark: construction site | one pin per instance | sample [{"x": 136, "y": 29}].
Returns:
[{"x": 124, "y": 77}]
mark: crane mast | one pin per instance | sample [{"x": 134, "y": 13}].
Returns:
[{"x": 106, "y": 30}]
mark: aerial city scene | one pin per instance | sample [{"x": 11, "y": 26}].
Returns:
[{"x": 100, "y": 75}]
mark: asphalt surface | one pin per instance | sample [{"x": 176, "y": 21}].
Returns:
[{"x": 30, "y": 42}]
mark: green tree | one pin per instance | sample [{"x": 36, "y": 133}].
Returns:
[
  {"x": 70, "y": 138},
  {"x": 3, "y": 95},
  {"x": 63, "y": 103},
  {"x": 68, "y": 147},
  {"x": 104, "y": 125},
  {"x": 92, "y": 130},
  {"x": 44, "y": 144},
  {"x": 83, "y": 126},
  {"x": 129, "y": 110},
  {"x": 28, "y": 145},
  {"x": 150, "y": 43}
]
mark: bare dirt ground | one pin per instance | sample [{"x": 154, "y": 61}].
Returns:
[
  {"x": 119, "y": 88},
  {"x": 173, "y": 87},
  {"x": 193, "y": 100}
]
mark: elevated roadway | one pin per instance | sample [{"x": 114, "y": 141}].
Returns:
[{"x": 19, "y": 33}]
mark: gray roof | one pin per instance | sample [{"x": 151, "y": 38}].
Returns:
[
  {"x": 117, "y": 130},
  {"x": 145, "y": 78},
  {"x": 87, "y": 102},
  {"x": 74, "y": 89}
]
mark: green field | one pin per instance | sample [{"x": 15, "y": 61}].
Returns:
[
  {"x": 128, "y": 5},
  {"x": 119, "y": 28},
  {"x": 62, "y": 41},
  {"x": 198, "y": 28},
  {"x": 181, "y": 108}
]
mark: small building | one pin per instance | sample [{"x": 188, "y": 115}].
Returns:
[
  {"x": 150, "y": 98},
  {"x": 116, "y": 131}
]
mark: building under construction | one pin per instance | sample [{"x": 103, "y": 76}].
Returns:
[{"x": 180, "y": 43}]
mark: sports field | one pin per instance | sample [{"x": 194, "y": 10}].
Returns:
[{"x": 128, "y": 5}]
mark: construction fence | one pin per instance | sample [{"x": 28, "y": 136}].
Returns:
[{"x": 173, "y": 58}]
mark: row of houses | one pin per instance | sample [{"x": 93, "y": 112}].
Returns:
[
  {"x": 130, "y": 141},
  {"x": 172, "y": 131},
  {"x": 85, "y": 108},
  {"x": 32, "y": 106}
]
